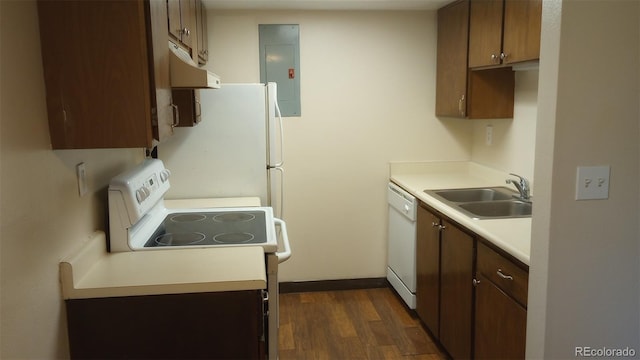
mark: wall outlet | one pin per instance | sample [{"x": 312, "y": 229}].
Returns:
[
  {"x": 488, "y": 140},
  {"x": 592, "y": 182},
  {"x": 81, "y": 174}
]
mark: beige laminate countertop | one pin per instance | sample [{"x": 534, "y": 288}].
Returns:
[
  {"x": 92, "y": 272},
  {"x": 511, "y": 235}
]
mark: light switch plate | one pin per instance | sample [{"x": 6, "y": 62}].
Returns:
[{"x": 592, "y": 182}]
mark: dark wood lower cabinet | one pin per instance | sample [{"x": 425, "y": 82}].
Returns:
[
  {"x": 428, "y": 269},
  {"x": 221, "y": 325},
  {"x": 486, "y": 321},
  {"x": 456, "y": 291},
  {"x": 500, "y": 323}
]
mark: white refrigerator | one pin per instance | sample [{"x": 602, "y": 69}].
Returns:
[{"x": 235, "y": 150}]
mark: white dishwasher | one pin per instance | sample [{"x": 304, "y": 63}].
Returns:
[{"x": 401, "y": 255}]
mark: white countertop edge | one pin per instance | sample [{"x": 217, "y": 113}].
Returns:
[
  {"x": 93, "y": 272},
  {"x": 164, "y": 289},
  {"x": 511, "y": 235}
]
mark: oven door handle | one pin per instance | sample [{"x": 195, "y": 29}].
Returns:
[{"x": 286, "y": 254}]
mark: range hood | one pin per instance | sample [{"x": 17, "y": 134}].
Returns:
[{"x": 186, "y": 74}]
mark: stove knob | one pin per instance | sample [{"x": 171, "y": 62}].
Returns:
[
  {"x": 164, "y": 175},
  {"x": 140, "y": 196}
]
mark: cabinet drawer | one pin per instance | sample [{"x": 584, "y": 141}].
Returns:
[{"x": 505, "y": 274}]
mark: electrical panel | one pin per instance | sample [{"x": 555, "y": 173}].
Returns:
[{"x": 280, "y": 63}]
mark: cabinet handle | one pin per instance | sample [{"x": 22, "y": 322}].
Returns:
[
  {"x": 476, "y": 282},
  {"x": 440, "y": 227},
  {"x": 506, "y": 277},
  {"x": 176, "y": 115},
  {"x": 186, "y": 31},
  {"x": 503, "y": 56},
  {"x": 461, "y": 106},
  {"x": 494, "y": 58}
]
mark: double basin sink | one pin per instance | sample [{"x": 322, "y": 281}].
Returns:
[{"x": 485, "y": 203}]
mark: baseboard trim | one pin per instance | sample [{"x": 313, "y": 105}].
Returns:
[{"x": 332, "y": 285}]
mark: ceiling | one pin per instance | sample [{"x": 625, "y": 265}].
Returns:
[{"x": 325, "y": 4}]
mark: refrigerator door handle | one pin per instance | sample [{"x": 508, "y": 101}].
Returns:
[
  {"x": 286, "y": 254},
  {"x": 281, "y": 170},
  {"x": 279, "y": 115}
]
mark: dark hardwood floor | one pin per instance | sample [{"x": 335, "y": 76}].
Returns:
[{"x": 351, "y": 324}]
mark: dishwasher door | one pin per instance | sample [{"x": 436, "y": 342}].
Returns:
[{"x": 401, "y": 255}]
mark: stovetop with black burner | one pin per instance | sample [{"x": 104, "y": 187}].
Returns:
[{"x": 210, "y": 229}]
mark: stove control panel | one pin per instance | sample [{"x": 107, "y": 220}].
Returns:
[{"x": 136, "y": 191}]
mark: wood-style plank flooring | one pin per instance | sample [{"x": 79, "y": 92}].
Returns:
[{"x": 351, "y": 324}]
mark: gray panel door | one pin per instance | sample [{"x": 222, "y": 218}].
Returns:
[{"x": 279, "y": 63}]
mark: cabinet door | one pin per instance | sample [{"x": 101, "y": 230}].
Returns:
[
  {"x": 491, "y": 93},
  {"x": 163, "y": 118},
  {"x": 451, "y": 75},
  {"x": 181, "y": 21},
  {"x": 188, "y": 20},
  {"x": 103, "y": 93},
  {"x": 456, "y": 286},
  {"x": 173, "y": 14},
  {"x": 522, "y": 25},
  {"x": 201, "y": 27},
  {"x": 221, "y": 325},
  {"x": 428, "y": 269},
  {"x": 188, "y": 102},
  {"x": 485, "y": 32},
  {"x": 500, "y": 323}
]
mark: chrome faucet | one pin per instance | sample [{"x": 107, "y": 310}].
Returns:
[{"x": 522, "y": 185}]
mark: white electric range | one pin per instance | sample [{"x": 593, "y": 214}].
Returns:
[{"x": 140, "y": 221}]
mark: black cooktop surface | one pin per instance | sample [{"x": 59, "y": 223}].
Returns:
[{"x": 210, "y": 228}]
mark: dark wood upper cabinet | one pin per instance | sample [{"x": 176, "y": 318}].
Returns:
[
  {"x": 182, "y": 24},
  {"x": 451, "y": 76},
  {"x": 187, "y": 27},
  {"x": 503, "y": 32},
  {"x": 106, "y": 73},
  {"x": 462, "y": 93},
  {"x": 188, "y": 101},
  {"x": 173, "y": 19},
  {"x": 522, "y": 26},
  {"x": 201, "y": 27}
]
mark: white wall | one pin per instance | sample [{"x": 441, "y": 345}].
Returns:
[
  {"x": 367, "y": 89},
  {"x": 585, "y": 260},
  {"x": 42, "y": 217},
  {"x": 513, "y": 147}
]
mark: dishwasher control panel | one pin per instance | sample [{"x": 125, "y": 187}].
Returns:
[{"x": 402, "y": 201}]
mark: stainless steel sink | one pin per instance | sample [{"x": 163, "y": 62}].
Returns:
[
  {"x": 498, "y": 209},
  {"x": 485, "y": 203},
  {"x": 474, "y": 194}
]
